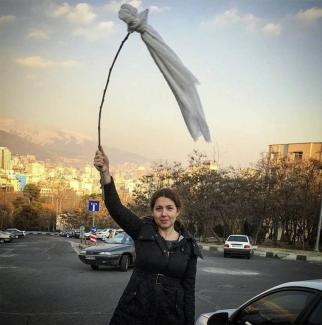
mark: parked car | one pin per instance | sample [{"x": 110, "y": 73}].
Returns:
[
  {"x": 5, "y": 237},
  {"x": 67, "y": 233},
  {"x": 16, "y": 232},
  {"x": 238, "y": 245},
  {"x": 100, "y": 233},
  {"x": 76, "y": 233},
  {"x": 119, "y": 252},
  {"x": 87, "y": 234},
  {"x": 290, "y": 303}
]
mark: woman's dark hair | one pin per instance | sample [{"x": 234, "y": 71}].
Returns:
[{"x": 169, "y": 194}]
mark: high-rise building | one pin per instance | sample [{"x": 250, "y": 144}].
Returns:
[
  {"x": 296, "y": 151},
  {"x": 5, "y": 158}
]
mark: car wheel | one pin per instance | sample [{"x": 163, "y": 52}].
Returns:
[
  {"x": 248, "y": 256},
  {"x": 225, "y": 255},
  {"x": 94, "y": 267},
  {"x": 124, "y": 265}
]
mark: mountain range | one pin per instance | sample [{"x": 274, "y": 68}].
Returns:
[{"x": 56, "y": 145}]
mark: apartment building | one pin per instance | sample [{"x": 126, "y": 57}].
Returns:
[{"x": 296, "y": 151}]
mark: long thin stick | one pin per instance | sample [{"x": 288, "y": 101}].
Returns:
[{"x": 108, "y": 80}]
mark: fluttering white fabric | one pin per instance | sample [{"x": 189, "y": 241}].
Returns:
[{"x": 181, "y": 81}]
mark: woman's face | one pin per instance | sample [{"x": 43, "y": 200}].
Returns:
[{"x": 165, "y": 212}]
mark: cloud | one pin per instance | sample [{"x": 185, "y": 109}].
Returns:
[
  {"x": 96, "y": 32},
  {"x": 157, "y": 9},
  {"x": 248, "y": 20},
  {"x": 81, "y": 13},
  {"x": 38, "y": 34},
  {"x": 272, "y": 29},
  {"x": 105, "y": 26},
  {"x": 7, "y": 19},
  {"x": 38, "y": 62},
  {"x": 234, "y": 17},
  {"x": 115, "y": 5},
  {"x": 310, "y": 15},
  {"x": 67, "y": 63},
  {"x": 34, "y": 62}
]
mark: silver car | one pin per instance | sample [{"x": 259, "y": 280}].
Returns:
[
  {"x": 119, "y": 251},
  {"x": 298, "y": 303}
]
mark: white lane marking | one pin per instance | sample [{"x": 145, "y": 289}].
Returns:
[
  {"x": 217, "y": 270},
  {"x": 8, "y": 267},
  {"x": 75, "y": 246},
  {"x": 7, "y": 252}
]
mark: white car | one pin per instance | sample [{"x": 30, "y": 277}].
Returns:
[
  {"x": 101, "y": 233},
  {"x": 16, "y": 232},
  {"x": 5, "y": 237},
  {"x": 289, "y": 303},
  {"x": 112, "y": 234},
  {"x": 238, "y": 245}
]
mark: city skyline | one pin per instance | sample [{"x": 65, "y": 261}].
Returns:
[{"x": 258, "y": 65}]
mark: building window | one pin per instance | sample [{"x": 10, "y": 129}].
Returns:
[{"x": 298, "y": 155}]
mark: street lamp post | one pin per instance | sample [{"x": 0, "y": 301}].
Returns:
[{"x": 317, "y": 244}]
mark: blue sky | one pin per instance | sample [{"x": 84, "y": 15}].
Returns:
[{"x": 258, "y": 63}]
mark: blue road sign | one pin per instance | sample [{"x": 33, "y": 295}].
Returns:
[
  {"x": 93, "y": 229},
  {"x": 93, "y": 205}
]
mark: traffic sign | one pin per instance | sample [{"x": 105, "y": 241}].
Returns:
[
  {"x": 93, "y": 205},
  {"x": 93, "y": 229}
]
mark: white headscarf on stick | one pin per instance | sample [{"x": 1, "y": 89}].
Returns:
[{"x": 181, "y": 81}]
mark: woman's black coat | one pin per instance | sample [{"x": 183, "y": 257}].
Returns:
[{"x": 145, "y": 300}]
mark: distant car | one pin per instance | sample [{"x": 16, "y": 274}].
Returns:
[
  {"x": 112, "y": 233},
  {"x": 5, "y": 237},
  {"x": 67, "y": 233},
  {"x": 87, "y": 234},
  {"x": 16, "y": 232},
  {"x": 238, "y": 245},
  {"x": 100, "y": 233},
  {"x": 119, "y": 252},
  {"x": 290, "y": 303}
]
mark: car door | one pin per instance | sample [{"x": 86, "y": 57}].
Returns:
[{"x": 315, "y": 316}]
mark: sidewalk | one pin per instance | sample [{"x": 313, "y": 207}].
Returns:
[{"x": 273, "y": 252}]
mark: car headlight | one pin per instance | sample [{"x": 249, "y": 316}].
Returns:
[
  {"x": 82, "y": 252},
  {"x": 105, "y": 253}
]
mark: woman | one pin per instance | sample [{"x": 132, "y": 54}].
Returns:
[{"x": 161, "y": 290}]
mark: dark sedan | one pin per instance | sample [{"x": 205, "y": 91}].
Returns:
[{"x": 118, "y": 251}]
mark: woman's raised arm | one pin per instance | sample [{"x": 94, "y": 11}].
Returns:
[{"x": 124, "y": 217}]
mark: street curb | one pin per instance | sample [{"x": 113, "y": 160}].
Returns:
[{"x": 270, "y": 254}]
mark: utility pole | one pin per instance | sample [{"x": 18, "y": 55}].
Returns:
[{"x": 317, "y": 244}]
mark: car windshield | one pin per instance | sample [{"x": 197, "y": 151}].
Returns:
[
  {"x": 121, "y": 238},
  {"x": 238, "y": 238}
]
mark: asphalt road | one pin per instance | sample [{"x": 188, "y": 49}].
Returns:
[{"x": 43, "y": 282}]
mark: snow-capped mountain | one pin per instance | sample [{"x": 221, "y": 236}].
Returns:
[{"x": 56, "y": 145}]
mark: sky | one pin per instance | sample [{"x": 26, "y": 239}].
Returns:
[{"x": 258, "y": 63}]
